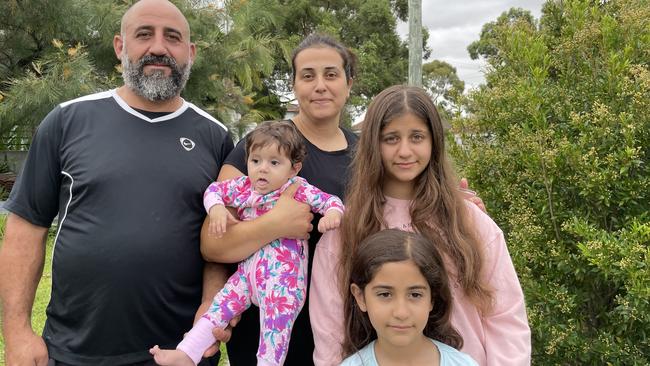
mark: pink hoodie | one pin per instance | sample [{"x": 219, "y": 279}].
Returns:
[{"x": 500, "y": 338}]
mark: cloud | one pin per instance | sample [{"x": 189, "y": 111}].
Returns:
[
  {"x": 439, "y": 14},
  {"x": 454, "y": 25}
]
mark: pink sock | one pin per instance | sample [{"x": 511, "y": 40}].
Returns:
[{"x": 198, "y": 340}]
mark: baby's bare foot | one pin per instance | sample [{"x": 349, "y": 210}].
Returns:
[{"x": 170, "y": 357}]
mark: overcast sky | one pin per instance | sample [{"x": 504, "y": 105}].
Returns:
[{"x": 453, "y": 25}]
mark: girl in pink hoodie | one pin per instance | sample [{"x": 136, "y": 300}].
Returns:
[{"x": 401, "y": 179}]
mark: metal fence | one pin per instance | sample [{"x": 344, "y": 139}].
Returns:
[{"x": 16, "y": 139}]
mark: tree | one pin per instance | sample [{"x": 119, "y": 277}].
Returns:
[
  {"x": 23, "y": 41},
  {"x": 46, "y": 61},
  {"x": 242, "y": 72},
  {"x": 488, "y": 45},
  {"x": 234, "y": 58},
  {"x": 442, "y": 83},
  {"x": 368, "y": 27},
  {"x": 558, "y": 143}
]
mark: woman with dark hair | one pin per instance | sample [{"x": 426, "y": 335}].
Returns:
[{"x": 323, "y": 72}]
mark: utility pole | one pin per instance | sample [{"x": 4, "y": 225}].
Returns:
[{"x": 415, "y": 42}]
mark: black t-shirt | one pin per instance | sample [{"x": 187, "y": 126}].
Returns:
[
  {"x": 127, "y": 270},
  {"x": 329, "y": 172}
]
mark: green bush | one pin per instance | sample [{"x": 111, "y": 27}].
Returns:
[{"x": 557, "y": 143}]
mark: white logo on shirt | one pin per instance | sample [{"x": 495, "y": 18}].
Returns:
[{"x": 187, "y": 144}]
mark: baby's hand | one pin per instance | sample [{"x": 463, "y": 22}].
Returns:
[
  {"x": 220, "y": 217},
  {"x": 330, "y": 221}
]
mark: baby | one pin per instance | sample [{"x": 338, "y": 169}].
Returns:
[{"x": 274, "y": 278}]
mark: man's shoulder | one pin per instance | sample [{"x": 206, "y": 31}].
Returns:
[
  {"x": 87, "y": 98},
  {"x": 206, "y": 116},
  {"x": 69, "y": 111}
]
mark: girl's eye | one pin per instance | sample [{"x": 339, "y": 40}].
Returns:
[
  {"x": 254, "y": 161},
  {"x": 417, "y": 295},
  {"x": 419, "y": 137},
  {"x": 275, "y": 163},
  {"x": 390, "y": 139},
  {"x": 383, "y": 294}
]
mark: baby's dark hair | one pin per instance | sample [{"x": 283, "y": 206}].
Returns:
[
  {"x": 282, "y": 133},
  {"x": 394, "y": 245}
]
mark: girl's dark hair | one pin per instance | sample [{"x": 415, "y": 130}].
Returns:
[
  {"x": 282, "y": 133},
  {"x": 395, "y": 246},
  {"x": 437, "y": 210},
  {"x": 319, "y": 40}
]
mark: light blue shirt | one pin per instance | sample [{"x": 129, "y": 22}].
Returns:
[{"x": 449, "y": 356}]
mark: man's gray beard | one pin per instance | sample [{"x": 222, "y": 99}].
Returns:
[{"x": 155, "y": 86}]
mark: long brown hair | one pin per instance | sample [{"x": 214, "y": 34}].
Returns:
[
  {"x": 437, "y": 210},
  {"x": 395, "y": 246}
]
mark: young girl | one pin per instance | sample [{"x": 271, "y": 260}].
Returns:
[
  {"x": 274, "y": 277},
  {"x": 400, "y": 304},
  {"x": 401, "y": 179}
]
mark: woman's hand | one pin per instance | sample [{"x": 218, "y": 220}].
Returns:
[
  {"x": 470, "y": 195},
  {"x": 292, "y": 217}
]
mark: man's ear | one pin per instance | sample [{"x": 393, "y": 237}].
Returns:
[
  {"x": 358, "y": 297},
  {"x": 295, "y": 168},
  {"x": 192, "y": 52},
  {"x": 118, "y": 46}
]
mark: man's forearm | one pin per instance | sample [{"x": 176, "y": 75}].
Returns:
[
  {"x": 215, "y": 276},
  {"x": 21, "y": 265}
]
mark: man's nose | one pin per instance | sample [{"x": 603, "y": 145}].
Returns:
[{"x": 158, "y": 46}]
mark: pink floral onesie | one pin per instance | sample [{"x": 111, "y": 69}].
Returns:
[{"x": 273, "y": 278}]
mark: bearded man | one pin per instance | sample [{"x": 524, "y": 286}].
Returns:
[{"x": 125, "y": 171}]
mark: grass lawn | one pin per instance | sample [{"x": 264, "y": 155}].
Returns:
[{"x": 43, "y": 295}]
